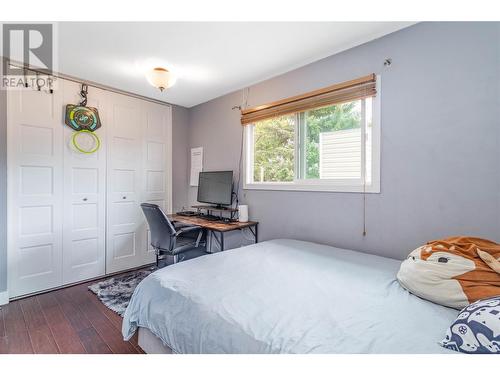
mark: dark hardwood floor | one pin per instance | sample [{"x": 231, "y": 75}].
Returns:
[{"x": 70, "y": 320}]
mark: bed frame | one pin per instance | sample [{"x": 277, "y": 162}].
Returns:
[{"x": 151, "y": 344}]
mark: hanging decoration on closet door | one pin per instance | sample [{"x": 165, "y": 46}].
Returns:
[{"x": 84, "y": 120}]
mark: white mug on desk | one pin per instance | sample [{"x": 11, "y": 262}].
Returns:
[{"x": 243, "y": 213}]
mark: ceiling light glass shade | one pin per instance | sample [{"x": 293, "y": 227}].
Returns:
[{"x": 160, "y": 78}]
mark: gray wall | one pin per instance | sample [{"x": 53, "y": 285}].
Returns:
[
  {"x": 180, "y": 157},
  {"x": 3, "y": 190},
  {"x": 440, "y": 143}
]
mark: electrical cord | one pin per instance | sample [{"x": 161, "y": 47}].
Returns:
[
  {"x": 239, "y": 170},
  {"x": 244, "y": 105}
]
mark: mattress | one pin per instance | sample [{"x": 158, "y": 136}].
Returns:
[{"x": 286, "y": 296}]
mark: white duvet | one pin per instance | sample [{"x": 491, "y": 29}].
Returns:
[{"x": 286, "y": 296}]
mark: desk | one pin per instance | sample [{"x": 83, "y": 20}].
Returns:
[{"x": 219, "y": 227}]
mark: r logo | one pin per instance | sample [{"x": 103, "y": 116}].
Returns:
[{"x": 29, "y": 44}]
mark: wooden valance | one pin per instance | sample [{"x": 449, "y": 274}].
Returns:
[{"x": 355, "y": 89}]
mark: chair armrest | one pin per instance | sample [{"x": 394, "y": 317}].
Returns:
[
  {"x": 179, "y": 224},
  {"x": 187, "y": 229},
  {"x": 183, "y": 248}
]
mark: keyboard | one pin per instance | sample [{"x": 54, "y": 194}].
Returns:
[
  {"x": 210, "y": 217},
  {"x": 187, "y": 213}
]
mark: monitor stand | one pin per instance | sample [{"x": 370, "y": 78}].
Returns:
[{"x": 218, "y": 208}]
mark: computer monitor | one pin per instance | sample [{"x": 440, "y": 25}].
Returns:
[{"x": 215, "y": 187}]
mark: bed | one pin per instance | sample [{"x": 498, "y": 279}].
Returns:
[{"x": 284, "y": 296}]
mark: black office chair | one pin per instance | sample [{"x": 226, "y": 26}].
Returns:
[{"x": 170, "y": 240}]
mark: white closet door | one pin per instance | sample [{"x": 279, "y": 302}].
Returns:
[
  {"x": 84, "y": 228},
  {"x": 35, "y": 190},
  {"x": 156, "y": 163},
  {"x": 139, "y": 170},
  {"x": 125, "y": 221}
]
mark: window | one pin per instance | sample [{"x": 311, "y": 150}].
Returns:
[{"x": 328, "y": 148}]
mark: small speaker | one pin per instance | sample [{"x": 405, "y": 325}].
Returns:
[{"x": 243, "y": 213}]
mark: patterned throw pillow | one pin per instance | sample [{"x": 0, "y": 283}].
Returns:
[{"x": 476, "y": 329}]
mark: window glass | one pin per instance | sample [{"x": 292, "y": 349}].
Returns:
[
  {"x": 332, "y": 142},
  {"x": 274, "y": 149}
]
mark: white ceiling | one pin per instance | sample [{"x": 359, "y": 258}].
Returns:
[{"x": 209, "y": 59}]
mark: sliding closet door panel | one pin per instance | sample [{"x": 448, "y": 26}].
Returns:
[
  {"x": 84, "y": 228},
  {"x": 139, "y": 146},
  {"x": 125, "y": 220},
  {"x": 35, "y": 190},
  {"x": 156, "y": 144}
]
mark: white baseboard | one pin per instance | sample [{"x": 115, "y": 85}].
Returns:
[{"x": 4, "y": 298}]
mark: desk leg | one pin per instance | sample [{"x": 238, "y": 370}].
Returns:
[
  {"x": 255, "y": 232},
  {"x": 218, "y": 241}
]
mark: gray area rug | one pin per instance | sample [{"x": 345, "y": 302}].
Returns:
[{"x": 115, "y": 293}]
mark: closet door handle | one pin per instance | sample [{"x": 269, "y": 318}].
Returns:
[
  {"x": 124, "y": 197},
  {"x": 85, "y": 199}
]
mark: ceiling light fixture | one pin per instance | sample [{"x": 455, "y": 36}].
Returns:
[{"x": 160, "y": 78}]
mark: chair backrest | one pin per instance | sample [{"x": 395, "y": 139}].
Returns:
[{"x": 162, "y": 230}]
